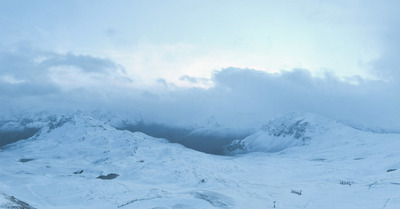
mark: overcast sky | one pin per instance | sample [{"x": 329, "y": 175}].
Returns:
[{"x": 335, "y": 58}]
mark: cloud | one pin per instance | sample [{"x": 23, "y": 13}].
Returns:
[
  {"x": 194, "y": 81},
  {"x": 84, "y": 62},
  {"x": 385, "y": 22},
  {"x": 27, "y": 71},
  {"x": 260, "y": 95},
  {"x": 48, "y": 81},
  {"x": 26, "y": 89},
  {"x": 110, "y": 32},
  {"x": 388, "y": 64},
  {"x": 243, "y": 97}
]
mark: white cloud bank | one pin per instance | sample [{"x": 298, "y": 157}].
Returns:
[{"x": 34, "y": 80}]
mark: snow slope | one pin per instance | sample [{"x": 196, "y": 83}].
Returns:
[
  {"x": 290, "y": 130},
  {"x": 81, "y": 162},
  {"x": 10, "y": 202}
]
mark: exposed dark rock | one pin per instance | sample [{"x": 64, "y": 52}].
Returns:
[
  {"x": 57, "y": 121},
  {"x": 318, "y": 159},
  {"x": 108, "y": 177},
  {"x": 24, "y": 160},
  {"x": 78, "y": 172},
  {"x": 297, "y": 129}
]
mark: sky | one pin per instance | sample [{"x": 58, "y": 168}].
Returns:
[{"x": 177, "y": 60}]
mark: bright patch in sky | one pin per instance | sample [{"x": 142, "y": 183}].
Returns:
[{"x": 170, "y": 39}]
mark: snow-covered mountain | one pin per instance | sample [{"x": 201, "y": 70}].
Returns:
[
  {"x": 290, "y": 130},
  {"x": 79, "y": 161},
  {"x": 10, "y": 202}
]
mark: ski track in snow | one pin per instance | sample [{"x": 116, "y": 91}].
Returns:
[{"x": 339, "y": 167}]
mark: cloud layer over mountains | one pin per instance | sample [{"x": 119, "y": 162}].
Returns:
[{"x": 34, "y": 80}]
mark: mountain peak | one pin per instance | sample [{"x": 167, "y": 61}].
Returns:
[{"x": 288, "y": 130}]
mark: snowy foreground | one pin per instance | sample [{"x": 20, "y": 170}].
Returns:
[{"x": 292, "y": 162}]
